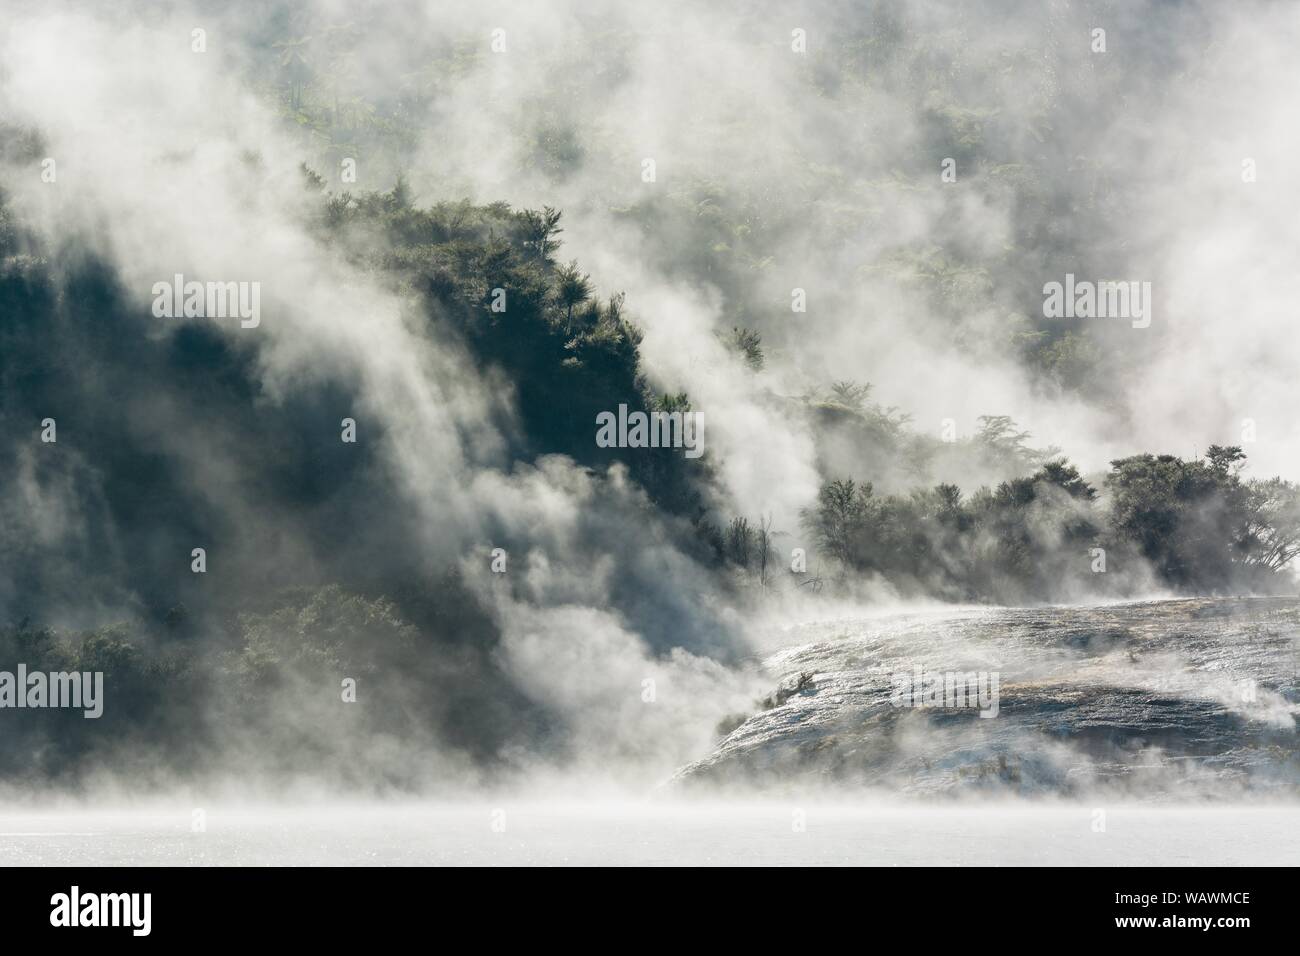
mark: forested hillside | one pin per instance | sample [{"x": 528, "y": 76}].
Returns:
[{"x": 827, "y": 238}]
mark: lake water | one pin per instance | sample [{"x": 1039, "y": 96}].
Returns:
[{"x": 657, "y": 834}]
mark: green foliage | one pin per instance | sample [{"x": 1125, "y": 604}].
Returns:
[
  {"x": 1199, "y": 524},
  {"x": 572, "y": 288},
  {"x": 739, "y": 542},
  {"x": 1270, "y": 538},
  {"x": 312, "y": 179},
  {"x": 838, "y": 522},
  {"x": 850, "y": 395},
  {"x": 271, "y": 689},
  {"x": 748, "y": 344},
  {"x": 325, "y": 632},
  {"x": 1196, "y": 524},
  {"x": 539, "y": 231},
  {"x": 568, "y": 355}
]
